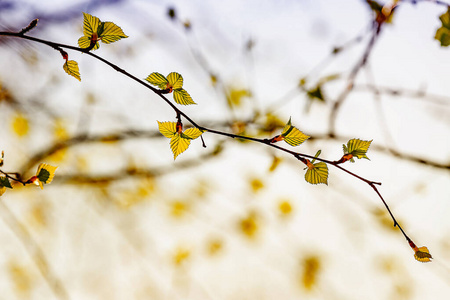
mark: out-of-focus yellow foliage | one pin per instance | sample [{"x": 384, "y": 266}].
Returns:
[
  {"x": 82, "y": 163},
  {"x": 39, "y": 215},
  {"x": 21, "y": 278},
  {"x": 60, "y": 130},
  {"x": 20, "y": 125},
  {"x": 272, "y": 123},
  {"x": 235, "y": 96},
  {"x": 276, "y": 160},
  {"x": 238, "y": 127},
  {"x": 60, "y": 133},
  {"x": 285, "y": 208},
  {"x": 179, "y": 208},
  {"x": 311, "y": 267},
  {"x": 256, "y": 184},
  {"x": 384, "y": 219},
  {"x": 180, "y": 256},
  {"x": 214, "y": 246},
  {"x": 136, "y": 195},
  {"x": 250, "y": 225}
]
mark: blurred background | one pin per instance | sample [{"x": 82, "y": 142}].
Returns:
[{"x": 234, "y": 220}]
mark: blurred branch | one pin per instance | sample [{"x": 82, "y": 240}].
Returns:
[
  {"x": 91, "y": 179},
  {"x": 418, "y": 94},
  {"x": 85, "y": 139},
  {"x": 34, "y": 251},
  {"x": 352, "y": 77}
]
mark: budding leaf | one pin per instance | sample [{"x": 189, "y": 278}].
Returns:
[
  {"x": 173, "y": 83},
  {"x": 317, "y": 173},
  {"x": 179, "y": 141},
  {"x": 422, "y": 254},
  {"x": 71, "y": 68},
  {"x": 175, "y": 80},
  {"x": 292, "y": 135},
  {"x": 358, "y": 148}
]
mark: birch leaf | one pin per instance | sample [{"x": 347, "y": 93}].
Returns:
[
  {"x": 158, "y": 80},
  {"x": 71, "y": 68},
  {"x": 178, "y": 145},
  {"x": 317, "y": 173},
  {"x": 167, "y": 129}
]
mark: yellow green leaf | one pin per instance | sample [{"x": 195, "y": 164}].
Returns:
[
  {"x": 45, "y": 174},
  {"x": 90, "y": 25},
  {"x": 182, "y": 97},
  {"x": 192, "y": 133},
  {"x": 84, "y": 42},
  {"x": 443, "y": 36},
  {"x": 358, "y": 148},
  {"x": 275, "y": 163},
  {"x": 111, "y": 33},
  {"x": 178, "y": 145},
  {"x": 157, "y": 79},
  {"x": 292, "y": 135},
  {"x": 71, "y": 68},
  {"x": 167, "y": 129},
  {"x": 2, "y": 190},
  {"x": 95, "y": 30},
  {"x": 317, "y": 173},
  {"x": 175, "y": 80},
  {"x": 443, "y": 33},
  {"x": 423, "y": 255},
  {"x": 20, "y": 125}
]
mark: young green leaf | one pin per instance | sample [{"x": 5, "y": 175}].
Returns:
[
  {"x": 173, "y": 83},
  {"x": 292, "y": 135},
  {"x": 182, "y": 97},
  {"x": 317, "y": 173},
  {"x": 192, "y": 133},
  {"x": 158, "y": 80},
  {"x": 358, "y": 148},
  {"x": 94, "y": 31},
  {"x": 175, "y": 80},
  {"x": 178, "y": 145},
  {"x": 71, "y": 68},
  {"x": 167, "y": 129},
  {"x": 111, "y": 33},
  {"x": 179, "y": 141}
]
